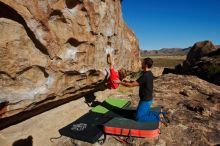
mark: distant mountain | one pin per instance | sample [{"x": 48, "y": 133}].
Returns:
[
  {"x": 165, "y": 51},
  {"x": 217, "y": 46},
  {"x": 168, "y": 51}
]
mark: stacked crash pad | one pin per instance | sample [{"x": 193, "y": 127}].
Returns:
[{"x": 88, "y": 128}]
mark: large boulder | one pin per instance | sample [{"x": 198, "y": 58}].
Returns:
[
  {"x": 199, "y": 50},
  {"x": 54, "y": 51},
  {"x": 203, "y": 60}
]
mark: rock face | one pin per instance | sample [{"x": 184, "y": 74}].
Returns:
[
  {"x": 203, "y": 60},
  {"x": 53, "y": 51}
]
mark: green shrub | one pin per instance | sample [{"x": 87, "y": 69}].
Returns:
[{"x": 211, "y": 70}]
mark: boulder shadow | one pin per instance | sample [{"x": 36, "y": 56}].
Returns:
[
  {"x": 90, "y": 100},
  {"x": 24, "y": 142}
]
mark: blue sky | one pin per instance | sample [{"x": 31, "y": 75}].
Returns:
[{"x": 172, "y": 23}]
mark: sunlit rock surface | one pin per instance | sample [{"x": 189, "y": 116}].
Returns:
[{"x": 53, "y": 51}]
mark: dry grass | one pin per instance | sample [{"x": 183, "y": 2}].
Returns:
[
  {"x": 167, "y": 61},
  {"x": 167, "y": 57}
]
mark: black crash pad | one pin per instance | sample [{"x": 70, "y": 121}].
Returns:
[{"x": 86, "y": 128}]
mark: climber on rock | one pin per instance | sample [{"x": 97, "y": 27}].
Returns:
[{"x": 120, "y": 75}]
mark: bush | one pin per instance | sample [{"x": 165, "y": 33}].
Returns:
[{"x": 211, "y": 70}]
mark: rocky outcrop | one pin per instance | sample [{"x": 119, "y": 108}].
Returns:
[
  {"x": 203, "y": 60},
  {"x": 53, "y": 51},
  {"x": 193, "y": 108},
  {"x": 199, "y": 50}
]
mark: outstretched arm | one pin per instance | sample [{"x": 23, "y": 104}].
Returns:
[
  {"x": 109, "y": 61},
  {"x": 127, "y": 84}
]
